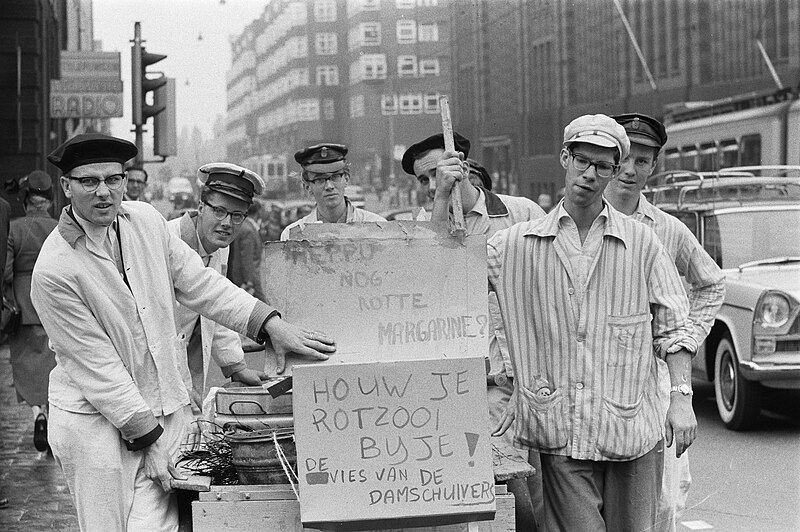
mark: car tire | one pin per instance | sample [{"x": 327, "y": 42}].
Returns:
[{"x": 738, "y": 400}]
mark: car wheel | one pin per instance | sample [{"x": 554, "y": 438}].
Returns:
[{"x": 738, "y": 400}]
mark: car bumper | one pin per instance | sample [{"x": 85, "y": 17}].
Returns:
[{"x": 753, "y": 371}]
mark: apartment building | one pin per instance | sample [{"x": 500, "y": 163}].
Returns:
[{"x": 367, "y": 73}]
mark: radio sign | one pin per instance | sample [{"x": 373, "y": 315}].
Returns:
[
  {"x": 85, "y": 105},
  {"x": 90, "y": 86}
]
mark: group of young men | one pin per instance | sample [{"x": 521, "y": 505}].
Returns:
[{"x": 591, "y": 351}]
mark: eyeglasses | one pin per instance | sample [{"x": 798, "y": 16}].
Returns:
[
  {"x": 603, "y": 168},
  {"x": 323, "y": 178},
  {"x": 220, "y": 213},
  {"x": 90, "y": 184}
]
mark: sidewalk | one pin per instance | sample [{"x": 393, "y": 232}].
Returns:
[{"x": 32, "y": 481}]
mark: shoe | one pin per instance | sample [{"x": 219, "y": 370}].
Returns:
[{"x": 40, "y": 433}]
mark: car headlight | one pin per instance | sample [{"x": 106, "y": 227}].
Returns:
[{"x": 773, "y": 310}]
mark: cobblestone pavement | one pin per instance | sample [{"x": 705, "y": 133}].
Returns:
[{"x": 32, "y": 481}]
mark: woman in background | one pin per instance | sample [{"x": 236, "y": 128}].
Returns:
[{"x": 31, "y": 358}]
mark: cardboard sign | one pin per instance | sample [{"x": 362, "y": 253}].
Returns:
[
  {"x": 393, "y": 443},
  {"x": 383, "y": 291}
]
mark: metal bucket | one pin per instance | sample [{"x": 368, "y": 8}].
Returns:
[{"x": 256, "y": 458}]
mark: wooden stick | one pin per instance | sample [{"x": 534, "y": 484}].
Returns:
[{"x": 458, "y": 227}]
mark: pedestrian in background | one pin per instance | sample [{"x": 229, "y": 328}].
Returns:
[
  {"x": 706, "y": 280},
  {"x": 590, "y": 299},
  {"x": 478, "y": 175},
  {"x": 136, "y": 185},
  {"x": 326, "y": 173},
  {"x": 244, "y": 259},
  {"x": 31, "y": 357}
]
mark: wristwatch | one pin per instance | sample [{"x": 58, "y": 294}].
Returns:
[{"x": 683, "y": 389}]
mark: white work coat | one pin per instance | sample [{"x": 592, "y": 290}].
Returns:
[{"x": 117, "y": 352}]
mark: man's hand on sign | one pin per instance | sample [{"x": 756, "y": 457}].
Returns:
[
  {"x": 158, "y": 465},
  {"x": 508, "y": 416},
  {"x": 288, "y": 338},
  {"x": 249, "y": 376}
]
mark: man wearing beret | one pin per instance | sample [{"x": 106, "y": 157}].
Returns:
[
  {"x": 105, "y": 286},
  {"x": 326, "y": 173},
  {"x": 590, "y": 299},
  {"x": 706, "y": 280},
  {"x": 485, "y": 213},
  {"x": 226, "y": 194}
]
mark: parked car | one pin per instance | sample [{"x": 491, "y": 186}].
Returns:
[{"x": 748, "y": 220}]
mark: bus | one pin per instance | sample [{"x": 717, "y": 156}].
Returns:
[
  {"x": 760, "y": 128},
  {"x": 272, "y": 169}
]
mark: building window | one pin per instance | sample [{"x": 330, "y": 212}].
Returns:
[
  {"x": 410, "y": 104},
  {"x": 405, "y": 4},
  {"x": 431, "y": 102},
  {"x": 327, "y": 75},
  {"x": 357, "y": 106},
  {"x": 429, "y": 67},
  {"x": 328, "y": 109},
  {"x": 389, "y": 104},
  {"x": 406, "y": 31},
  {"x": 407, "y": 66},
  {"x": 325, "y": 44},
  {"x": 307, "y": 110},
  {"x": 428, "y": 32},
  {"x": 370, "y": 33},
  {"x": 427, "y": 3},
  {"x": 373, "y": 66},
  {"x": 325, "y": 10},
  {"x": 370, "y": 5}
]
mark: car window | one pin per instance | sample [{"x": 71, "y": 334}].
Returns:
[{"x": 736, "y": 238}]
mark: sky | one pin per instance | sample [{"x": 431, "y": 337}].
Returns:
[{"x": 174, "y": 28}]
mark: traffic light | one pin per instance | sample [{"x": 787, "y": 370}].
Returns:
[
  {"x": 165, "y": 141},
  {"x": 142, "y": 85}
]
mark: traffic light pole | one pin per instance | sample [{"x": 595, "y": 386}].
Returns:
[{"x": 136, "y": 83}]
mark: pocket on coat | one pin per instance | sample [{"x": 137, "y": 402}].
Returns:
[
  {"x": 622, "y": 434},
  {"x": 628, "y": 336},
  {"x": 544, "y": 419}
]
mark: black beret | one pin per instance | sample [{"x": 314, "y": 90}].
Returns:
[
  {"x": 477, "y": 169},
  {"x": 322, "y": 158},
  {"x": 432, "y": 142},
  {"x": 91, "y": 148},
  {"x": 643, "y": 129}
]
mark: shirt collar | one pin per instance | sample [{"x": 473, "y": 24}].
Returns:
[
  {"x": 644, "y": 209},
  {"x": 70, "y": 229},
  {"x": 550, "y": 225}
]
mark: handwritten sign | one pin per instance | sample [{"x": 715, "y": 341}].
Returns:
[
  {"x": 393, "y": 443},
  {"x": 386, "y": 291}
]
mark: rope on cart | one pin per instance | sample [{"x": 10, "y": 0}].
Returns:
[{"x": 287, "y": 467}]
